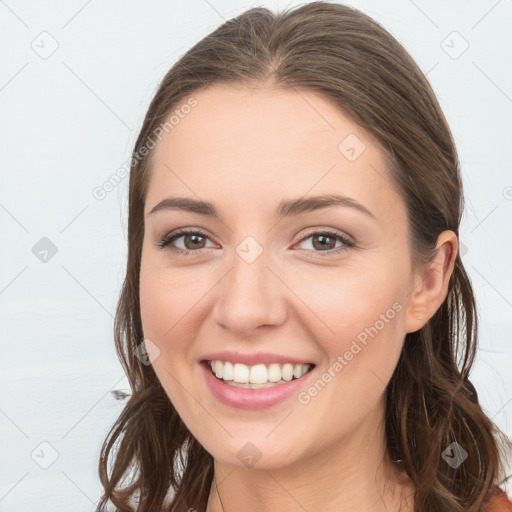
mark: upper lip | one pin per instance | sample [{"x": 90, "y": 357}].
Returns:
[{"x": 253, "y": 359}]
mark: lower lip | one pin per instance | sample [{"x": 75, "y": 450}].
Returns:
[{"x": 252, "y": 399}]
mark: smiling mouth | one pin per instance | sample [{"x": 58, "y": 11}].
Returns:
[{"x": 257, "y": 376}]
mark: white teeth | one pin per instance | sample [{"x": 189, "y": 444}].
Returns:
[
  {"x": 240, "y": 373},
  {"x": 258, "y": 374},
  {"x": 274, "y": 372},
  {"x": 227, "y": 371},
  {"x": 287, "y": 372},
  {"x": 297, "y": 371},
  {"x": 218, "y": 369}
]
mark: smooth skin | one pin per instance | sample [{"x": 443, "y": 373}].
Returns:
[{"x": 245, "y": 150}]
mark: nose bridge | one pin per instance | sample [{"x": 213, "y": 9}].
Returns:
[{"x": 250, "y": 294}]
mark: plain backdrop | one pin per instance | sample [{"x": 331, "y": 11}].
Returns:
[{"x": 76, "y": 78}]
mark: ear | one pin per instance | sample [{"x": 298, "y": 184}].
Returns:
[{"x": 430, "y": 284}]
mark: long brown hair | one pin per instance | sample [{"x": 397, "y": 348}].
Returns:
[{"x": 351, "y": 60}]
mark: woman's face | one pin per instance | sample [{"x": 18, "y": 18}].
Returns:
[{"x": 273, "y": 280}]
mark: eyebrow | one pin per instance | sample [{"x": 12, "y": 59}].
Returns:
[{"x": 286, "y": 208}]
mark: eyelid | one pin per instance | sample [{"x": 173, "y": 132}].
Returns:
[
  {"x": 180, "y": 232},
  {"x": 346, "y": 240},
  {"x": 315, "y": 230}
]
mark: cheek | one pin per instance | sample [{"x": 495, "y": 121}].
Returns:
[
  {"x": 172, "y": 305},
  {"x": 343, "y": 303},
  {"x": 155, "y": 305},
  {"x": 167, "y": 298},
  {"x": 357, "y": 319},
  {"x": 168, "y": 304}
]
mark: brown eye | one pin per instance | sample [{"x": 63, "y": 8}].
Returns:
[
  {"x": 193, "y": 241},
  {"x": 323, "y": 241},
  {"x": 185, "y": 242}
]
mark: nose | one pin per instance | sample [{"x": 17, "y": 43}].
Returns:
[{"x": 249, "y": 297}]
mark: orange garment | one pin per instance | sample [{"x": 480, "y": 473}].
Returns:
[{"x": 499, "y": 503}]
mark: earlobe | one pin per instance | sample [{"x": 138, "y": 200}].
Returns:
[{"x": 430, "y": 287}]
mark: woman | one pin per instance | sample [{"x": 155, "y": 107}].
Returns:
[{"x": 296, "y": 322}]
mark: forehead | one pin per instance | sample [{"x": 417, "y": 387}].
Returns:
[
  {"x": 274, "y": 122},
  {"x": 257, "y": 145}
]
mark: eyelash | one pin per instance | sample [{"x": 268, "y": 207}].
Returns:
[{"x": 347, "y": 243}]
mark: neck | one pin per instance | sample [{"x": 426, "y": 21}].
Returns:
[{"x": 354, "y": 475}]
